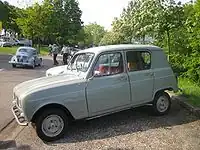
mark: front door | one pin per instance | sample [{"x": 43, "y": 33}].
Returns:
[
  {"x": 141, "y": 76},
  {"x": 109, "y": 90}
]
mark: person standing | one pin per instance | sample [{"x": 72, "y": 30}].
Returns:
[
  {"x": 50, "y": 49},
  {"x": 55, "y": 53},
  {"x": 66, "y": 53}
]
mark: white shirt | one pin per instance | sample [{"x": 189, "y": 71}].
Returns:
[{"x": 65, "y": 50}]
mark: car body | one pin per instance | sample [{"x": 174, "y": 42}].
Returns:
[
  {"x": 98, "y": 81},
  {"x": 60, "y": 69},
  {"x": 26, "y": 56},
  {"x": 24, "y": 42},
  {"x": 5, "y": 43}
]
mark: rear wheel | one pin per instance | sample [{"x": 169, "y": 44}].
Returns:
[
  {"x": 51, "y": 124},
  {"x": 161, "y": 103}
]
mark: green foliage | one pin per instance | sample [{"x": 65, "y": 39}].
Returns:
[
  {"x": 173, "y": 26},
  {"x": 190, "y": 90},
  {"x": 93, "y": 33},
  {"x": 56, "y": 20},
  {"x": 8, "y": 14}
]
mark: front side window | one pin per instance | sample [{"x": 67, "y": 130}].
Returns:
[
  {"x": 81, "y": 62},
  {"x": 109, "y": 64},
  {"x": 138, "y": 60}
]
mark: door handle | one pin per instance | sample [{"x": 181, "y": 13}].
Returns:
[
  {"x": 122, "y": 78},
  {"x": 149, "y": 74}
]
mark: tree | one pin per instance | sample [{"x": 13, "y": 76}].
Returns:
[
  {"x": 56, "y": 20},
  {"x": 8, "y": 14},
  {"x": 111, "y": 38},
  {"x": 93, "y": 33}
]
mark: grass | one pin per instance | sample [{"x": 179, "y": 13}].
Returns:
[
  {"x": 190, "y": 90},
  {"x": 12, "y": 50}
]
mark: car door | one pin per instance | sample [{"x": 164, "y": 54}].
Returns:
[
  {"x": 141, "y": 76},
  {"x": 109, "y": 89}
]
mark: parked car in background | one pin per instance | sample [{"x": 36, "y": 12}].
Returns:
[
  {"x": 24, "y": 42},
  {"x": 5, "y": 43},
  {"x": 26, "y": 56},
  {"x": 99, "y": 81}
]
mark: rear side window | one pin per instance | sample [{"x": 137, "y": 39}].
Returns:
[{"x": 138, "y": 60}]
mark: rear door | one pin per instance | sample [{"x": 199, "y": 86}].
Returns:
[{"x": 141, "y": 75}]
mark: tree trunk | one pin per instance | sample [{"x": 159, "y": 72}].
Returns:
[
  {"x": 168, "y": 44},
  {"x": 143, "y": 39},
  {"x": 38, "y": 41}
]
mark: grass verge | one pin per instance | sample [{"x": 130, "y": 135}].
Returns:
[
  {"x": 12, "y": 50},
  {"x": 190, "y": 90}
]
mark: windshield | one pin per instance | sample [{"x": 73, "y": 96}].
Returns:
[
  {"x": 24, "y": 50},
  {"x": 81, "y": 62}
]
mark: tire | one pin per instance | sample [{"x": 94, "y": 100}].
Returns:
[
  {"x": 33, "y": 66},
  {"x": 49, "y": 119},
  {"x": 13, "y": 65},
  {"x": 161, "y": 104},
  {"x": 40, "y": 64}
]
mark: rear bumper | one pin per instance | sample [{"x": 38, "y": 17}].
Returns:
[{"x": 19, "y": 116}]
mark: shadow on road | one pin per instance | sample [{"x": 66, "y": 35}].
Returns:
[
  {"x": 126, "y": 122},
  {"x": 11, "y": 145}
]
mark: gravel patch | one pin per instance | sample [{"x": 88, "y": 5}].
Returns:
[{"x": 132, "y": 129}]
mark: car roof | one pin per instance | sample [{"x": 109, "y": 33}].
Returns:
[
  {"x": 120, "y": 47},
  {"x": 26, "y": 47}
]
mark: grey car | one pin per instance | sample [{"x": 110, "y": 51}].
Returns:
[
  {"x": 97, "y": 82},
  {"x": 26, "y": 56}
]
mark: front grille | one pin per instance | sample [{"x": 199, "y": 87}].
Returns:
[{"x": 24, "y": 57}]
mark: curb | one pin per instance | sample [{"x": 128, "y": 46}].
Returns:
[
  {"x": 183, "y": 102},
  {"x": 7, "y": 124}
]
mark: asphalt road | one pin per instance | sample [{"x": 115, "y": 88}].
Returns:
[{"x": 9, "y": 77}]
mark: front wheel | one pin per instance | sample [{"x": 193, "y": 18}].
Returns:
[
  {"x": 33, "y": 65},
  {"x": 161, "y": 103},
  {"x": 51, "y": 124},
  {"x": 13, "y": 65}
]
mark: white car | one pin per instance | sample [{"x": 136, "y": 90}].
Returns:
[
  {"x": 26, "y": 56},
  {"x": 4, "y": 43},
  {"x": 56, "y": 70},
  {"x": 65, "y": 69}
]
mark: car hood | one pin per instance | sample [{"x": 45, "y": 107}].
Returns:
[
  {"x": 58, "y": 70},
  {"x": 22, "y": 54},
  {"x": 44, "y": 83}
]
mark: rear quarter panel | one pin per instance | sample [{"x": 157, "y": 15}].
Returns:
[{"x": 164, "y": 77}]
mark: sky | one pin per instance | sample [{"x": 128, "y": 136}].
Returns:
[{"x": 100, "y": 11}]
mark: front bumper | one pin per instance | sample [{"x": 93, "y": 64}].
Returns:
[
  {"x": 19, "y": 116},
  {"x": 20, "y": 63}
]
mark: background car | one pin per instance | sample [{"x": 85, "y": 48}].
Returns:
[
  {"x": 5, "y": 43},
  {"x": 26, "y": 56},
  {"x": 24, "y": 42}
]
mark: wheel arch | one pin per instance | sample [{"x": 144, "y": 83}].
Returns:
[
  {"x": 162, "y": 91},
  {"x": 49, "y": 106}
]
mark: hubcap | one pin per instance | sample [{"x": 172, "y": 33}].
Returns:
[
  {"x": 52, "y": 125},
  {"x": 162, "y": 104}
]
